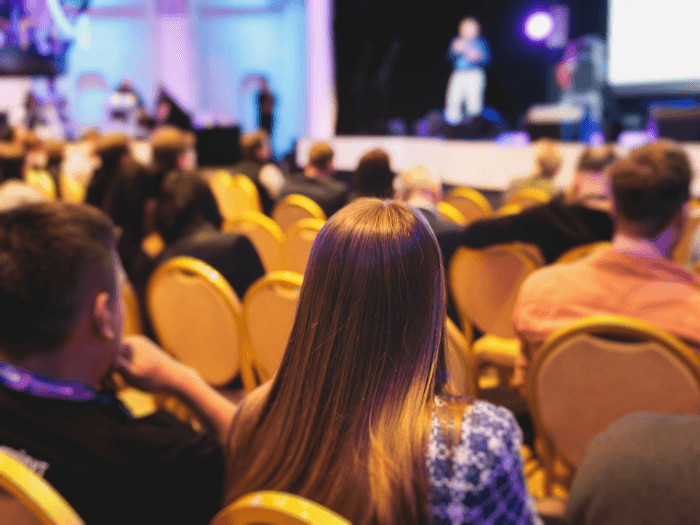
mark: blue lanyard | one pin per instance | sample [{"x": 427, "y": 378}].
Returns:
[{"x": 39, "y": 386}]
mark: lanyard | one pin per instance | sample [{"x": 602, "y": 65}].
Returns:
[{"x": 39, "y": 386}]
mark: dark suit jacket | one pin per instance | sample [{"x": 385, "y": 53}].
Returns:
[
  {"x": 329, "y": 194},
  {"x": 447, "y": 234},
  {"x": 644, "y": 468},
  {"x": 555, "y": 227},
  {"x": 232, "y": 254}
]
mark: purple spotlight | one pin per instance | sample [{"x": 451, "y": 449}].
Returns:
[{"x": 539, "y": 25}]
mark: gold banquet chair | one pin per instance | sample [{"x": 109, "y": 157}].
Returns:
[
  {"x": 196, "y": 316},
  {"x": 297, "y": 245},
  {"x": 269, "y": 306},
  {"x": 528, "y": 197},
  {"x": 460, "y": 378},
  {"x": 448, "y": 212},
  {"x": 294, "y": 208},
  {"x": 596, "y": 370},
  {"x": 470, "y": 203},
  {"x": 485, "y": 285},
  {"x": 131, "y": 322},
  {"x": 41, "y": 181},
  {"x": 267, "y": 237},
  {"x": 683, "y": 247},
  {"x": 26, "y": 498},
  {"x": 276, "y": 508},
  {"x": 235, "y": 195},
  {"x": 71, "y": 189}
]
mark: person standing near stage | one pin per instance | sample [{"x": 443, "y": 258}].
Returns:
[{"x": 470, "y": 53}]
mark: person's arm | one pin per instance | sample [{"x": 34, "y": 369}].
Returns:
[{"x": 144, "y": 365}]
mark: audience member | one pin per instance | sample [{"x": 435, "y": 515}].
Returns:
[
  {"x": 373, "y": 176},
  {"x": 188, "y": 219},
  {"x": 356, "y": 418},
  {"x": 60, "y": 333},
  {"x": 257, "y": 166},
  {"x": 547, "y": 163},
  {"x": 420, "y": 188},
  {"x": 644, "y": 468},
  {"x": 15, "y": 193},
  {"x": 11, "y": 161},
  {"x": 579, "y": 217},
  {"x": 634, "y": 277},
  {"x": 173, "y": 150},
  {"x": 317, "y": 183},
  {"x": 113, "y": 152}
]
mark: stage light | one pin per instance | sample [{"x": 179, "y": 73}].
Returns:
[{"x": 539, "y": 25}]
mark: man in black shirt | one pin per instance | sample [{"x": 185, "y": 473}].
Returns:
[
  {"x": 317, "y": 182},
  {"x": 60, "y": 334},
  {"x": 579, "y": 217}
]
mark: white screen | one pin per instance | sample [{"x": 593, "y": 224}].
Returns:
[{"x": 654, "y": 42}]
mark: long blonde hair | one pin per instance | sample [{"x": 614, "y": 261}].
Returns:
[{"x": 345, "y": 421}]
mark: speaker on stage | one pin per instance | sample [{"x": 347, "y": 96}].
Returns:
[
  {"x": 676, "y": 123},
  {"x": 552, "y": 120}
]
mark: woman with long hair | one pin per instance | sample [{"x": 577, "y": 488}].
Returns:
[{"x": 357, "y": 418}]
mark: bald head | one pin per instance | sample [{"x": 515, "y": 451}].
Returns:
[{"x": 418, "y": 183}]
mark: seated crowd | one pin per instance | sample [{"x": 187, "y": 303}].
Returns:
[{"x": 359, "y": 417}]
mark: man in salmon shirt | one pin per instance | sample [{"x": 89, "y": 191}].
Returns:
[{"x": 634, "y": 277}]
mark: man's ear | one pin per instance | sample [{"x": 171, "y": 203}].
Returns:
[{"x": 102, "y": 320}]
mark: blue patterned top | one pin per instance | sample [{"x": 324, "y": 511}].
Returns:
[{"x": 481, "y": 481}]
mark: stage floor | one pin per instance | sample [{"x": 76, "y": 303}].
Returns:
[{"x": 485, "y": 165}]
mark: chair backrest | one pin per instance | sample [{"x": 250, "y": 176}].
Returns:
[
  {"x": 579, "y": 252},
  {"x": 598, "y": 369},
  {"x": 269, "y": 306},
  {"x": 528, "y": 197},
  {"x": 235, "y": 195},
  {"x": 25, "y": 497},
  {"x": 71, "y": 189},
  {"x": 448, "y": 212},
  {"x": 294, "y": 208},
  {"x": 264, "y": 233},
  {"x": 197, "y": 317},
  {"x": 276, "y": 508},
  {"x": 681, "y": 252},
  {"x": 297, "y": 245},
  {"x": 131, "y": 323},
  {"x": 41, "y": 181},
  {"x": 510, "y": 209},
  {"x": 461, "y": 378},
  {"x": 485, "y": 285},
  {"x": 470, "y": 203}
]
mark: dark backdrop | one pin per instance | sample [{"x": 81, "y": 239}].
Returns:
[{"x": 368, "y": 34}]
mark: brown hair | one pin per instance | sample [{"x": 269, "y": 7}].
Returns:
[
  {"x": 373, "y": 176},
  {"x": 651, "y": 185},
  {"x": 596, "y": 158},
  {"x": 346, "y": 419},
  {"x": 320, "y": 154},
  {"x": 47, "y": 250},
  {"x": 252, "y": 142},
  {"x": 168, "y": 143}
]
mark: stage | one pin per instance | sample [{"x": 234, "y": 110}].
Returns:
[{"x": 484, "y": 165}]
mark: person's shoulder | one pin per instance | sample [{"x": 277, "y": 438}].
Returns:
[{"x": 548, "y": 276}]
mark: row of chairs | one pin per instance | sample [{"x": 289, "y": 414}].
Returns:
[
  {"x": 197, "y": 316},
  {"x": 27, "y": 499}
]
